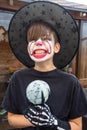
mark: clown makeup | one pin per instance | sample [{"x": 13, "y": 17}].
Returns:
[
  {"x": 41, "y": 42},
  {"x": 41, "y": 49}
]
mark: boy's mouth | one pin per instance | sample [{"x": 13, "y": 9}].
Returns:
[{"x": 40, "y": 53}]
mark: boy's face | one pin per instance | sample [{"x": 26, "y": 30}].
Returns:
[{"x": 43, "y": 48}]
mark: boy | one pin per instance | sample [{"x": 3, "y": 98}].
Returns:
[{"x": 66, "y": 105}]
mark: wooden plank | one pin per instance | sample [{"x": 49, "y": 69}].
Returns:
[
  {"x": 83, "y": 81},
  {"x": 5, "y": 5},
  {"x": 78, "y": 15},
  {"x": 82, "y": 62}
]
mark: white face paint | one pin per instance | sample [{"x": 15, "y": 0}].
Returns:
[{"x": 42, "y": 49}]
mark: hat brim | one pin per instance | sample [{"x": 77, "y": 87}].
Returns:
[{"x": 53, "y": 14}]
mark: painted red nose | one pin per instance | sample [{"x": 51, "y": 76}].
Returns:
[{"x": 39, "y": 42}]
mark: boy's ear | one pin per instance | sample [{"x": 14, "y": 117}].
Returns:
[{"x": 57, "y": 47}]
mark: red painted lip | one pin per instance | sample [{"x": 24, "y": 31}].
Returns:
[
  {"x": 39, "y": 56},
  {"x": 39, "y": 53}
]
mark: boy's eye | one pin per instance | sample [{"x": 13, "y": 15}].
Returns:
[
  {"x": 43, "y": 39},
  {"x": 46, "y": 38},
  {"x": 50, "y": 39},
  {"x": 31, "y": 41}
]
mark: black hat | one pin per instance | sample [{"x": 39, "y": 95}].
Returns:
[{"x": 53, "y": 14}]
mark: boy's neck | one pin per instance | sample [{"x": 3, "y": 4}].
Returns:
[{"x": 44, "y": 67}]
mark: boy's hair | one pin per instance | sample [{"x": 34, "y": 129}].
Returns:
[{"x": 40, "y": 29}]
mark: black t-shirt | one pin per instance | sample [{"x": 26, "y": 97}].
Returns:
[{"x": 66, "y": 101}]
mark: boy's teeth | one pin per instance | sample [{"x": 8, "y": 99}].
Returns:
[{"x": 39, "y": 51}]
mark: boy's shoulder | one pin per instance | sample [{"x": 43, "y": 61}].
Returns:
[
  {"x": 21, "y": 72},
  {"x": 67, "y": 76}
]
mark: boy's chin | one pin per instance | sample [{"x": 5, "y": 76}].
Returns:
[{"x": 39, "y": 60}]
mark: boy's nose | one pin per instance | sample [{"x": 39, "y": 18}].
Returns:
[{"x": 39, "y": 42}]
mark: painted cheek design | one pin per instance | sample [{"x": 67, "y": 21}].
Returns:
[
  {"x": 49, "y": 46},
  {"x": 30, "y": 46}
]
